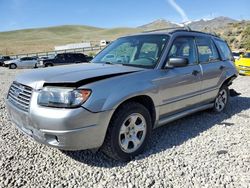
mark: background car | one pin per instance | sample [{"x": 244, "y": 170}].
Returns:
[
  {"x": 24, "y": 62},
  {"x": 64, "y": 59},
  {"x": 3, "y": 59},
  {"x": 243, "y": 64}
]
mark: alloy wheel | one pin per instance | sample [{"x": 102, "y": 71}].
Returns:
[
  {"x": 221, "y": 100},
  {"x": 132, "y": 133}
]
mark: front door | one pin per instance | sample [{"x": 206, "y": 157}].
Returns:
[{"x": 180, "y": 86}]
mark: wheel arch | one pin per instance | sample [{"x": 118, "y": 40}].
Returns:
[
  {"x": 49, "y": 63},
  {"x": 228, "y": 81},
  {"x": 144, "y": 100}
]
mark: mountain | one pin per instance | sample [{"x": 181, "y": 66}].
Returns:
[
  {"x": 212, "y": 24},
  {"x": 158, "y": 24}
]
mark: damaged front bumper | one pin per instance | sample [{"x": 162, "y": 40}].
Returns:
[{"x": 66, "y": 129}]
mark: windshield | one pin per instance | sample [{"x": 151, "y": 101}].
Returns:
[
  {"x": 247, "y": 55},
  {"x": 139, "y": 51}
]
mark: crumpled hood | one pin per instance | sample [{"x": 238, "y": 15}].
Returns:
[{"x": 71, "y": 74}]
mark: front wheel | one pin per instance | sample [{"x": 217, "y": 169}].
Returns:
[
  {"x": 128, "y": 132},
  {"x": 221, "y": 100},
  {"x": 12, "y": 66}
]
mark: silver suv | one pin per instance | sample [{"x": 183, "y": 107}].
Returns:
[{"x": 134, "y": 85}]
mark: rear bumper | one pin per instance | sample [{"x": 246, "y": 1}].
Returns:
[{"x": 66, "y": 129}]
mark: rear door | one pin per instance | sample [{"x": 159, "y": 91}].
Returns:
[
  {"x": 212, "y": 67},
  {"x": 180, "y": 89},
  {"x": 60, "y": 59},
  {"x": 23, "y": 62},
  {"x": 79, "y": 58},
  {"x": 70, "y": 58}
]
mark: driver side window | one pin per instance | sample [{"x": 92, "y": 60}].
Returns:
[
  {"x": 122, "y": 53},
  {"x": 149, "y": 50},
  {"x": 184, "y": 47}
]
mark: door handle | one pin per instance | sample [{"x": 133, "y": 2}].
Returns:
[
  {"x": 195, "y": 72},
  {"x": 222, "y": 67}
]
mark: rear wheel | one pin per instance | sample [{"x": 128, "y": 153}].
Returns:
[
  {"x": 221, "y": 100},
  {"x": 128, "y": 132},
  {"x": 12, "y": 66}
]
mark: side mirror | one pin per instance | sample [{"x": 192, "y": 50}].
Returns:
[{"x": 177, "y": 62}]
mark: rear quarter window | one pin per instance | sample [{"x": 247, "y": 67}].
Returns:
[{"x": 224, "y": 50}]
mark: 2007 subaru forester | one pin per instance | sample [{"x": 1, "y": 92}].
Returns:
[{"x": 134, "y": 85}]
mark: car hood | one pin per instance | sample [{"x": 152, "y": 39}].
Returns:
[
  {"x": 73, "y": 75},
  {"x": 11, "y": 61}
]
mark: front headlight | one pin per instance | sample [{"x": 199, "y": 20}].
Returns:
[{"x": 62, "y": 97}]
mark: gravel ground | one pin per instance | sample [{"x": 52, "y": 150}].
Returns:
[{"x": 202, "y": 150}]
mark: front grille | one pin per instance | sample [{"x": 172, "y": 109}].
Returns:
[{"x": 20, "y": 96}]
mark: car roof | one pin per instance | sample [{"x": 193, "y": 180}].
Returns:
[{"x": 177, "y": 30}]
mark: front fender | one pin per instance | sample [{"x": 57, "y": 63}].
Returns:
[{"x": 110, "y": 93}]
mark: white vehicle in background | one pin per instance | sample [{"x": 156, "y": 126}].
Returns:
[
  {"x": 104, "y": 43},
  {"x": 24, "y": 62}
]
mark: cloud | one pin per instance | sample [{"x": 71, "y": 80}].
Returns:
[{"x": 179, "y": 10}]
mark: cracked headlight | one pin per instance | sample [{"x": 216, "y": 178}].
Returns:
[{"x": 62, "y": 97}]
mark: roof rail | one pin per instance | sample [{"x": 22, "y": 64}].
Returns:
[
  {"x": 185, "y": 27},
  {"x": 207, "y": 33}
]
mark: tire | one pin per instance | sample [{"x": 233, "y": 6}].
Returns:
[
  {"x": 128, "y": 132},
  {"x": 221, "y": 100},
  {"x": 12, "y": 66},
  {"x": 48, "y": 65}
]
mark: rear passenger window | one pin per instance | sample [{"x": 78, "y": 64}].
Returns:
[
  {"x": 224, "y": 49},
  {"x": 207, "y": 50},
  {"x": 184, "y": 47}
]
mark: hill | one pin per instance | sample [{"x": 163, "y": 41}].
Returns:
[{"x": 44, "y": 39}]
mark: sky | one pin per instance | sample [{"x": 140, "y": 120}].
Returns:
[{"x": 22, "y": 14}]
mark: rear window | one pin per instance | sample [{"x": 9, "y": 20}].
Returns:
[
  {"x": 6, "y": 57},
  {"x": 224, "y": 49},
  {"x": 207, "y": 50}
]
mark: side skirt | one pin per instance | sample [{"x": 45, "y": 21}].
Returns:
[{"x": 168, "y": 119}]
